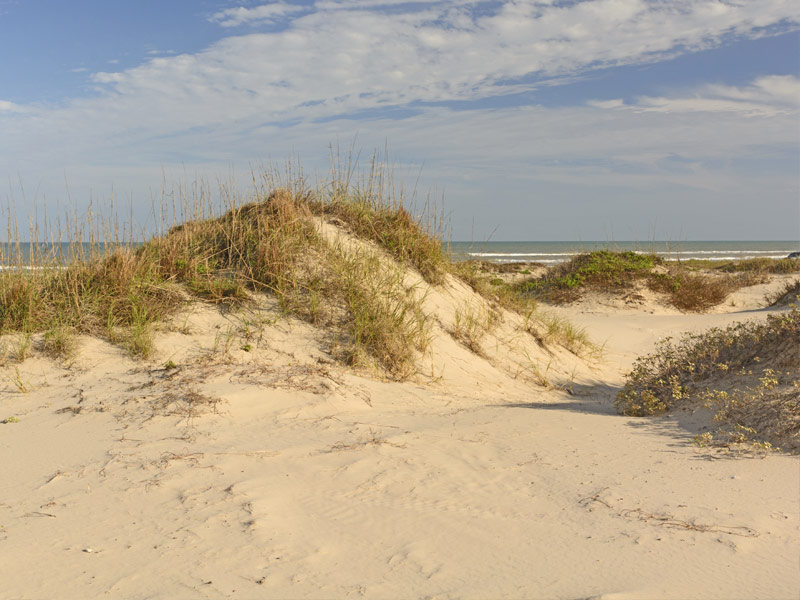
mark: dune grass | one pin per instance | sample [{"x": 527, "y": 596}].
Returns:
[
  {"x": 787, "y": 295},
  {"x": 748, "y": 375},
  {"x": 600, "y": 270},
  {"x": 272, "y": 244},
  {"x": 545, "y": 327},
  {"x": 613, "y": 272},
  {"x": 391, "y": 227},
  {"x": 748, "y": 265}
]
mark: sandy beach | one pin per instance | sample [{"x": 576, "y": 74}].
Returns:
[
  {"x": 397, "y": 300},
  {"x": 242, "y": 461}
]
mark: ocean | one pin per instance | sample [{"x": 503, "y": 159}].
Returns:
[
  {"x": 24, "y": 253},
  {"x": 550, "y": 253},
  {"x": 547, "y": 253}
]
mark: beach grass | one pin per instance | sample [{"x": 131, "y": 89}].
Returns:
[
  {"x": 107, "y": 281},
  {"x": 271, "y": 244},
  {"x": 545, "y": 327},
  {"x": 788, "y": 294},
  {"x": 682, "y": 285},
  {"x": 747, "y": 265}
]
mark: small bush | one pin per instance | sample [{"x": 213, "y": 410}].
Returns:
[
  {"x": 616, "y": 272},
  {"x": 761, "y": 265},
  {"x": 695, "y": 292},
  {"x": 602, "y": 270},
  {"x": 748, "y": 374}
]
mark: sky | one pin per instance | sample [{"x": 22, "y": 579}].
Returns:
[{"x": 522, "y": 120}]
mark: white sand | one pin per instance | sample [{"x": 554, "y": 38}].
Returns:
[{"x": 307, "y": 480}]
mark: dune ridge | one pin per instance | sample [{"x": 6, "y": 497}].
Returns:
[{"x": 268, "y": 446}]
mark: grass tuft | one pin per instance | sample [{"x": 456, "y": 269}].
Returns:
[
  {"x": 384, "y": 320},
  {"x": 59, "y": 342},
  {"x": 760, "y": 266},
  {"x": 544, "y": 327},
  {"x": 618, "y": 272},
  {"x": 788, "y": 295},
  {"x": 391, "y": 227},
  {"x": 471, "y": 324}
]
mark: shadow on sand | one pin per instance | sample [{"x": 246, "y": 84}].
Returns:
[
  {"x": 679, "y": 426},
  {"x": 596, "y": 398}
]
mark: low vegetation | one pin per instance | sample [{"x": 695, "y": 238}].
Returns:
[
  {"x": 684, "y": 288},
  {"x": 546, "y": 328},
  {"x": 759, "y": 266},
  {"x": 747, "y": 375},
  {"x": 355, "y": 289},
  {"x": 270, "y": 245},
  {"x": 472, "y": 323},
  {"x": 601, "y": 270},
  {"x": 391, "y": 227},
  {"x": 788, "y": 294}
]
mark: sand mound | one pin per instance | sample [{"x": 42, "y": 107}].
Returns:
[{"x": 272, "y": 445}]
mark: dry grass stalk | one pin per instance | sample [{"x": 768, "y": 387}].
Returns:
[{"x": 105, "y": 287}]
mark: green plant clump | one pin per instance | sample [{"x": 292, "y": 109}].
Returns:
[
  {"x": 614, "y": 272},
  {"x": 748, "y": 374},
  {"x": 602, "y": 269}
]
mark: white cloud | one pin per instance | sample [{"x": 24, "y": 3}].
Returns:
[
  {"x": 253, "y": 96},
  {"x": 102, "y": 77},
  {"x": 10, "y": 107},
  {"x": 336, "y": 61},
  {"x": 348, "y": 60},
  {"x": 782, "y": 90},
  {"x": 615, "y": 103},
  {"x": 766, "y": 96},
  {"x": 266, "y": 13}
]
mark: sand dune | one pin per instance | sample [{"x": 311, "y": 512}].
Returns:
[{"x": 258, "y": 467}]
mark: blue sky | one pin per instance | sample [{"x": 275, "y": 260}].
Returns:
[{"x": 593, "y": 119}]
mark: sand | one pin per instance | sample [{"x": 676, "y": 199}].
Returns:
[{"x": 278, "y": 473}]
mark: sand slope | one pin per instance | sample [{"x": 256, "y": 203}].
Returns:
[{"x": 275, "y": 473}]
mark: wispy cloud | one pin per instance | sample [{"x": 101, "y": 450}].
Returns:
[
  {"x": 335, "y": 62},
  {"x": 766, "y": 96},
  {"x": 297, "y": 87},
  {"x": 266, "y": 13},
  {"x": 10, "y": 107}
]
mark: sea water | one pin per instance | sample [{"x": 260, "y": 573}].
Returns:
[
  {"x": 547, "y": 253},
  {"x": 46, "y": 254},
  {"x": 550, "y": 253}
]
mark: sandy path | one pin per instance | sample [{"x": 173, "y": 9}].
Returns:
[{"x": 351, "y": 487}]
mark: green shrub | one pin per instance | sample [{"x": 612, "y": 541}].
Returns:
[{"x": 748, "y": 373}]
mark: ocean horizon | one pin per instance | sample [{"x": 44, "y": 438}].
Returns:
[
  {"x": 548, "y": 253},
  {"x": 555, "y": 252}
]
